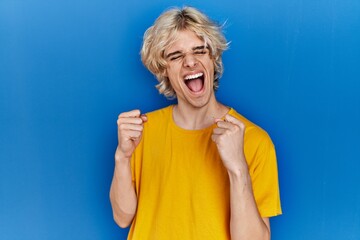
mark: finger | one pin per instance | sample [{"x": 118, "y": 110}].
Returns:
[
  {"x": 127, "y": 126},
  {"x": 143, "y": 117},
  {"x": 224, "y": 124},
  {"x": 214, "y": 137},
  {"x": 131, "y": 120},
  {"x": 234, "y": 120},
  {"x": 131, "y": 134},
  {"x": 218, "y": 119},
  {"x": 218, "y": 131},
  {"x": 133, "y": 113}
]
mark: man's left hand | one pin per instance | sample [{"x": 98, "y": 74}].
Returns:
[{"x": 229, "y": 139}]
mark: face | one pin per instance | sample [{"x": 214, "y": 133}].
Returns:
[{"x": 190, "y": 69}]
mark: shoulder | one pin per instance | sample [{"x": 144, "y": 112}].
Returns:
[
  {"x": 259, "y": 149},
  {"x": 159, "y": 117},
  {"x": 160, "y": 113},
  {"x": 254, "y": 134}
]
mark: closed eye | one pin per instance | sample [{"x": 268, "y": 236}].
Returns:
[
  {"x": 200, "y": 52},
  {"x": 177, "y": 55},
  {"x": 173, "y": 58}
]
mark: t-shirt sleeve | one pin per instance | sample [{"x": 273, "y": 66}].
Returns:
[
  {"x": 264, "y": 176},
  {"x": 132, "y": 164},
  {"x": 136, "y": 163}
]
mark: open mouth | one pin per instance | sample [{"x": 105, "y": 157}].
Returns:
[{"x": 195, "y": 82}]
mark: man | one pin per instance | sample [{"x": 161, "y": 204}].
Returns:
[{"x": 196, "y": 169}]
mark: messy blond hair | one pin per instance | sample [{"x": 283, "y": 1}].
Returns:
[{"x": 162, "y": 34}]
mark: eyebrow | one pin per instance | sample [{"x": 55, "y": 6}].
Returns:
[{"x": 179, "y": 52}]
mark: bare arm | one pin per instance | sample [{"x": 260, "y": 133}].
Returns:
[
  {"x": 246, "y": 222},
  {"x": 122, "y": 192}
]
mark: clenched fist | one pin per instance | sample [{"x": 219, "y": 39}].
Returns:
[
  {"x": 130, "y": 127},
  {"x": 229, "y": 139}
]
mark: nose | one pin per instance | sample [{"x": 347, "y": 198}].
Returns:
[{"x": 190, "y": 60}]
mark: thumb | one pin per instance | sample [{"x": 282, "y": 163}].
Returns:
[{"x": 143, "y": 117}]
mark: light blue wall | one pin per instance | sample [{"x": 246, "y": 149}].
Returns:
[{"x": 67, "y": 68}]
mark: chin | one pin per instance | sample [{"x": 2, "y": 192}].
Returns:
[{"x": 201, "y": 101}]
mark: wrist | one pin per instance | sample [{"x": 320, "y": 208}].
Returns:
[
  {"x": 239, "y": 173},
  {"x": 238, "y": 167},
  {"x": 120, "y": 157},
  {"x": 241, "y": 181}
]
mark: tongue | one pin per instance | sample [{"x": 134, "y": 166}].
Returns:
[{"x": 195, "y": 85}]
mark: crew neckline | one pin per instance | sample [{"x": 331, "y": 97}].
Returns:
[{"x": 195, "y": 131}]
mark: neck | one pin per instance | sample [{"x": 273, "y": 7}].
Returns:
[{"x": 193, "y": 118}]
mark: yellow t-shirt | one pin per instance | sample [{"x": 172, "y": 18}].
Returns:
[{"x": 182, "y": 186}]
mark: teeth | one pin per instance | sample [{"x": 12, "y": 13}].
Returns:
[{"x": 188, "y": 77}]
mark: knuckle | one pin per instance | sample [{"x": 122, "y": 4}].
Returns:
[
  {"x": 241, "y": 127},
  {"x": 137, "y": 120},
  {"x": 237, "y": 128}
]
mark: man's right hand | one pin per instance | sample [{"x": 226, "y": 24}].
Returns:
[{"x": 130, "y": 127}]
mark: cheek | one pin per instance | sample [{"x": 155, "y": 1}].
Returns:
[
  {"x": 172, "y": 76},
  {"x": 211, "y": 67},
  {"x": 169, "y": 71},
  {"x": 172, "y": 72},
  {"x": 209, "y": 63}
]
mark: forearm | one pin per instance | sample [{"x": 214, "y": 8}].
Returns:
[
  {"x": 122, "y": 193},
  {"x": 246, "y": 222}
]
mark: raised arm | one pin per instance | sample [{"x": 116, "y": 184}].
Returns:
[
  {"x": 246, "y": 222},
  {"x": 122, "y": 192}
]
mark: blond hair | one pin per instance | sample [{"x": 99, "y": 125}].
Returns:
[{"x": 162, "y": 34}]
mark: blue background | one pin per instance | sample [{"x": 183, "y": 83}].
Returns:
[{"x": 68, "y": 68}]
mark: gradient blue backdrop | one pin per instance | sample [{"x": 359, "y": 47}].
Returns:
[{"x": 68, "y": 68}]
